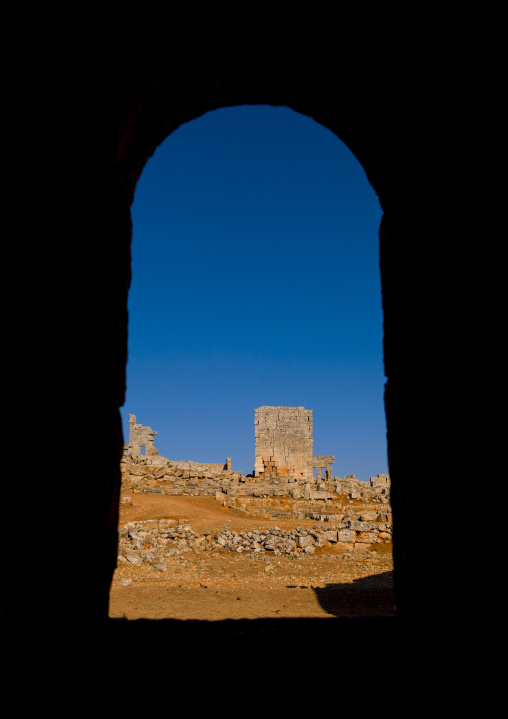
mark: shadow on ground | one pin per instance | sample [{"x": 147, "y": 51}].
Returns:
[
  {"x": 359, "y": 611},
  {"x": 371, "y": 596}
]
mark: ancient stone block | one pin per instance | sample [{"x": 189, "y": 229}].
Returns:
[
  {"x": 360, "y": 526},
  {"x": 320, "y": 495},
  {"x": 330, "y": 535},
  {"x": 346, "y": 535},
  {"x": 366, "y": 537},
  {"x": 305, "y": 541}
]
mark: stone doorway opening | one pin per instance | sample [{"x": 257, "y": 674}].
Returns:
[{"x": 221, "y": 281}]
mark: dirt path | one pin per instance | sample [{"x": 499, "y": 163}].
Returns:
[{"x": 226, "y": 585}]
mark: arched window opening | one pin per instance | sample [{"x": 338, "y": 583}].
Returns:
[{"x": 255, "y": 283}]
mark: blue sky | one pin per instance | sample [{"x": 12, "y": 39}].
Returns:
[{"x": 255, "y": 281}]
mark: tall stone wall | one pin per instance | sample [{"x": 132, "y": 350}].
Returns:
[
  {"x": 139, "y": 437},
  {"x": 283, "y": 441}
]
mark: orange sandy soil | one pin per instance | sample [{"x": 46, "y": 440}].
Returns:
[{"x": 216, "y": 585}]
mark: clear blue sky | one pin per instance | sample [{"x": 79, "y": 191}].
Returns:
[{"x": 255, "y": 281}]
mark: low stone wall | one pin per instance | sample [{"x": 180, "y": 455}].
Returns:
[
  {"x": 149, "y": 542},
  {"x": 275, "y": 508},
  {"x": 188, "y": 478},
  {"x": 309, "y": 490},
  {"x": 177, "y": 478}
]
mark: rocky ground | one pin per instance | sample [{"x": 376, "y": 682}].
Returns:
[{"x": 215, "y": 585}]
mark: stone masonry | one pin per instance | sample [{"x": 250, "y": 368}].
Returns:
[
  {"x": 277, "y": 490},
  {"x": 142, "y": 438},
  {"x": 284, "y": 442},
  {"x": 152, "y": 541}
]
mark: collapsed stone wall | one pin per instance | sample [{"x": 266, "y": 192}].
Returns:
[
  {"x": 151, "y": 541},
  {"x": 284, "y": 434},
  {"x": 289, "y": 499},
  {"x": 143, "y": 437},
  {"x": 177, "y": 477},
  {"x": 271, "y": 497},
  {"x": 201, "y": 469},
  {"x": 207, "y": 479}
]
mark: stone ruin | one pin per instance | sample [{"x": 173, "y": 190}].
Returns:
[
  {"x": 283, "y": 439},
  {"x": 150, "y": 542},
  {"x": 283, "y": 447},
  {"x": 282, "y": 485},
  {"x": 141, "y": 437}
]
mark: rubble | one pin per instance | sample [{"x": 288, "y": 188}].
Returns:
[{"x": 150, "y": 542}]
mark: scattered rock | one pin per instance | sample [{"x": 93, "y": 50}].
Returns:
[{"x": 147, "y": 541}]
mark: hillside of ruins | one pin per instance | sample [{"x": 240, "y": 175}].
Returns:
[
  {"x": 187, "y": 526},
  {"x": 283, "y": 483}
]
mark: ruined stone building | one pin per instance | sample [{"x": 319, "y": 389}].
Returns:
[
  {"x": 283, "y": 444},
  {"x": 140, "y": 438}
]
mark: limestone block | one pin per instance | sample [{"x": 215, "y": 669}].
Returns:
[
  {"x": 270, "y": 542},
  {"x": 330, "y": 535},
  {"x": 320, "y": 541},
  {"x": 306, "y": 541},
  {"x": 346, "y": 535},
  {"x": 361, "y": 526},
  {"x": 136, "y": 471},
  {"x": 367, "y": 537},
  {"x": 319, "y": 495}
]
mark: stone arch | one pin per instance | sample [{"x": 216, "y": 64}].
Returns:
[
  {"x": 126, "y": 120},
  {"x": 163, "y": 107}
]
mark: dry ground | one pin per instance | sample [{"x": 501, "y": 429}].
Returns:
[{"x": 227, "y": 585}]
